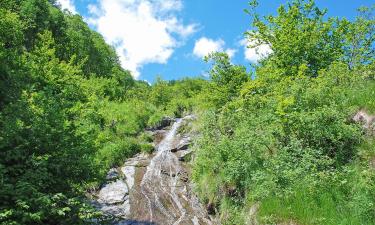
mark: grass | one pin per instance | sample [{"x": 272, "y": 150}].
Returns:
[
  {"x": 347, "y": 199},
  {"x": 364, "y": 96},
  {"x": 326, "y": 207},
  {"x": 147, "y": 148},
  {"x": 114, "y": 153}
]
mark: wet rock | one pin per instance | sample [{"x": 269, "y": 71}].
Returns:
[
  {"x": 145, "y": 189},
  {"x": 159, "y": 136},
  {"x": 183, "y": 175},
  {"x": 184, "y": 179},
  {"x": 164, "y": 172},
  {"x": 135, "y": 222},
  {"x": 113, "y": 193},
  {"x": 129, "y": 172}
]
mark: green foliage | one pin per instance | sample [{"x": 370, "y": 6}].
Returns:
[
  {"x": 301, "y": 37},
  {"x": 64, "y": 115},
  {"x": 147, "y": 148},
  {"x": 285, "y": 140},
  {"x": 282, "y": 138},
  {"x": 359, "y": 39},
  {"x": 226, "y": 78},
  {"x": 113, "y": 153},
  {"x": 363, "y": 96}
]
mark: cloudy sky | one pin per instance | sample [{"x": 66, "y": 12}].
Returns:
[{"x": 170, "y": 37}]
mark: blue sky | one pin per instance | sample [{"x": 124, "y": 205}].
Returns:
[{"x": 169, "y": 37}]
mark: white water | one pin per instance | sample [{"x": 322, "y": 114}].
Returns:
[
  {"x": 153, "y": 183},
  {"x": 161, "y": 196}
]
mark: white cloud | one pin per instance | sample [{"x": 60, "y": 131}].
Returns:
[
  {"x": 231, "y": 52},
  {"x": 205, "y": 46},
  {"x": 93, "y": 9},
  {"x": 142, "y": 31},
  {"x": 67, "y": 4},
  {"x": 255, "y": 54}
]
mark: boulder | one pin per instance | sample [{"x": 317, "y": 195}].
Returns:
[
  {"x": 367, "y": 120},
  {"x": 113, "y": 193},
  {"x": 183, "y": 144},
  {"x": 117, "y": 210}
]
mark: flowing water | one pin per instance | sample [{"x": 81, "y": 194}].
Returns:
[{"x": 154, "y": 189}]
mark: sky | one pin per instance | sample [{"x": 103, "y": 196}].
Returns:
[{"x": 169, "y": 38}]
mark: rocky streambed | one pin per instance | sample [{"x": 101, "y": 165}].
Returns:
[{"x": 154, "y": 189}]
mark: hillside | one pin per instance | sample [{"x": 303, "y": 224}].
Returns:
[{"x": 291, "y": 142}]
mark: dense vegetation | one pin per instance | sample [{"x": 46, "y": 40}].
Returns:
[
  {"x": 276, "y": 145},
  {"x": 282, "y": 147},
  {"x": 68, "y": 112}
]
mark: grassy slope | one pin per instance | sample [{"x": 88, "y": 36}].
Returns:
[{"x": 343, "y": 200}]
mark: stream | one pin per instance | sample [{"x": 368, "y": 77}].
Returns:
[{"x": 155, "y": 189}]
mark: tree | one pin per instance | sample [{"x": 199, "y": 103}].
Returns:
[
  {"x": 359, "y": 38},
  {"x": 227, "y": 79},
  {"x": 299, "y": 36}
]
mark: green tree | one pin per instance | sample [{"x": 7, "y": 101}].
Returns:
[
  {"x": 299, "y": 36},
  {"x": 227, "y": 79}
]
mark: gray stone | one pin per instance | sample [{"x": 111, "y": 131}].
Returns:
[
  {"x": 129, "y": 172},
  {"x": 113, "y": 193},
  {"x": 112, "y": 174}
]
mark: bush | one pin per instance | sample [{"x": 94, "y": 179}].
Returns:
[{"x": 147, "y": 148}]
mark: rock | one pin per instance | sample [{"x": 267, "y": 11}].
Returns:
[
  {"x": 134, "y": 222},
  {"x": 117, "y": 210},
  {"x": 184, "y": 179},
  {"x": 183, "y": 144},
  {"x": 112, "y": 174},
  {"x": 251, "y": 217},
  {"x": 129, "y": 172},
  {"x": 113, "y": 193},
  {"x": 155, "y": 189},
  {"x": 159, "y": 136},
  {"x": 185, "y": 156},
  {"x": 367, "y": 120},
  {"x": 164, "y": 172}
]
